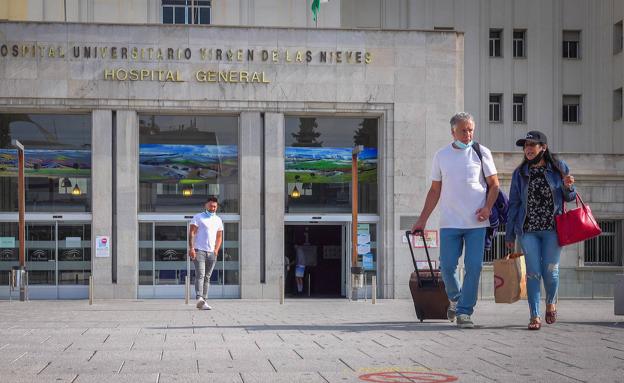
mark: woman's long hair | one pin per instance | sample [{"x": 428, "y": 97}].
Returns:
[{"x": 549, "y": 158}]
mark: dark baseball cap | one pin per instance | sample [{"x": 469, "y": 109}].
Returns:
[{"x": 533, "y": 136}]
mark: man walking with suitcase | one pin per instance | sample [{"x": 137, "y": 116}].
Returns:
[{"x": 466, "y": 189}]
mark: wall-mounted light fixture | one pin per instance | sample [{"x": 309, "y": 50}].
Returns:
[
  {"x": 76, "y": 190},
  {"x": 295, "y": 193},
  {"x": 187, "y": 190}
]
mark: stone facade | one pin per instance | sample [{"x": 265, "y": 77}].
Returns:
[{"x": 413, "y": 83}]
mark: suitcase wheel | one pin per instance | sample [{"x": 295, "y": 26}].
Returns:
[{"x": 420, "y": 315}]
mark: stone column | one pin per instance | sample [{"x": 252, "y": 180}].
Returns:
[
  {"x": 101, "y": 198},
  {"x": 127, "y": 224},
  {"x": 274, "y": 201},
  {"x": 250, "y": 144}
]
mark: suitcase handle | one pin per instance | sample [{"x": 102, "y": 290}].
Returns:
[{"x": 422, "y": 234}]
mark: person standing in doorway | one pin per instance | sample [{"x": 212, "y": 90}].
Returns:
[
  {"x": 460, "y": 181},
  {"x": 300, "y": 266},
  {"x": 205, "y": 239}
]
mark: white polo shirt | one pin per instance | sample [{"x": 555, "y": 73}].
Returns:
[
  {"x": 463, "y": 185},
  {"x": 207, "y": 228}
]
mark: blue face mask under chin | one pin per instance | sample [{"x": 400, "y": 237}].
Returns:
[
  {"x": 209, "y": 213},
  {"x": 461, "y": 145}
]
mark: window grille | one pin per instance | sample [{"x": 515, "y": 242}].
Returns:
[
  {"x": 606, "y": 249},
  {"x": 498, "y": 249}
]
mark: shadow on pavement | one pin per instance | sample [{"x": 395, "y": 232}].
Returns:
[{"x": 348, "y": 327}]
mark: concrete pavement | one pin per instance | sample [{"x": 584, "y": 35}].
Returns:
[{"x": 303, "y": 341}]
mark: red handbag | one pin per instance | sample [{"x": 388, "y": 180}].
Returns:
[{"x": 576, "y": 225}]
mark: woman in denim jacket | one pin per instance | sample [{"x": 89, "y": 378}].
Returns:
[{"x": 538, "y": 187}]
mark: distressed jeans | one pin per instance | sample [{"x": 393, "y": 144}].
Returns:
[
  {"x": 204, "y": 264},
  {"x": 541, "y": 254},
  {"x": 451, "y": 243}
]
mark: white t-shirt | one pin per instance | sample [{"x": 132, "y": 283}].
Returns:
[
  {"x": 463, "y": 185},
  {"x": 207, "y": 228}
]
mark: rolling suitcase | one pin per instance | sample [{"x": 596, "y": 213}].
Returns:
[{"x": 427, "y": 287}]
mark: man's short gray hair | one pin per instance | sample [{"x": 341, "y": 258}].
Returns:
[{"x": 461, "y": 116}]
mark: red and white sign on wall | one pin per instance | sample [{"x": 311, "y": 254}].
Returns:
[{"x": 431, "y": 237}]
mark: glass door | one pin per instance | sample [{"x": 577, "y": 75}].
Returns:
[
  {"x": 163, "y": 262},
  {"x": 41, "y": 260},
  {"x": 74, "y": 259},
  {"x": 170, "y": 260}
]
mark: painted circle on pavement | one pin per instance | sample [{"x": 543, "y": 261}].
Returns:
[{"x": 408, "y": 377}]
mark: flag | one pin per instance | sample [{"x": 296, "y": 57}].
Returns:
[{"x": 316, "y": 7}]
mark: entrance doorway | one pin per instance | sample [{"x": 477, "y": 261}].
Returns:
[
  {"x": 57, "y": 256},
  {"x": 321, "y": 248}
]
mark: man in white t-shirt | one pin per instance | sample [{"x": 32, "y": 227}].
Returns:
[
  {"x": 460, "y": 186},
  {"x": 205, "y": 239}
]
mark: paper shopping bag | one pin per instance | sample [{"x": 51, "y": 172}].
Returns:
[{"x": 509, "y": 278}]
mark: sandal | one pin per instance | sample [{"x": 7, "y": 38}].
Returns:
[
  {"x": 551, "y": 316},
  {"x": 535, "y": 324}
]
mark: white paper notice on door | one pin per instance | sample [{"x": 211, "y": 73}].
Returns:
[
  {"x": 102, "y": 246},
  {"x": 364, "y": 249}
]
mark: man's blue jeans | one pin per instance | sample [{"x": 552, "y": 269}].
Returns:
[
  {"x": 541, "y": 254},
  {"x": 451, "y": 243}
]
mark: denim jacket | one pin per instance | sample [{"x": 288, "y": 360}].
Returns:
[{"x": 519, "y": 191}]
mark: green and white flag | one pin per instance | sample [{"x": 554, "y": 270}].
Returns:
[{"x": 316, "y": 8}]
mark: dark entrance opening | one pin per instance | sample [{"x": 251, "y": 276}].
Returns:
[{"x": 319, "y": 247}]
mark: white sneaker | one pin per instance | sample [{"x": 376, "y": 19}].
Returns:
[
  {"x": 206, "y": 306},
  {"x": 464, "y": 321},
  {"x": 200, "y": 303}
]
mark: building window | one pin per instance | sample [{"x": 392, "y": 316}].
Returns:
[
  {"x": 519, "y": 108},
  {"x": 571, "y": 109},
  {"x": 185, "y": 159},
  {"x": 496, "y": 107},
  {"x": 317, "y": 164},
  {"x": 618, "y": 38},
  {"x": 617, "y": 104},
  {"x": 496, "y": 43},
  {"x": 572, "y": 44},
  {"x": 519, "y": 43},
  {"x": 57, "y": 162},
  {"x": 606, "y": 249},
  {"x": 186, "y": 12}
]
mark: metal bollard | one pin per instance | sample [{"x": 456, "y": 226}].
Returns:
[
  {"x": 365, "y": 287},
  {"x": 309, "y": 277},
  {"x": 186, "y": 290},
  {"x": 90, "y": 290},
  {"x": 374, "y": 288},
  {"x": 26, "y": 296},
  {"x": 11, "y": 286},
  {"x": 281, "y": 289}
]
